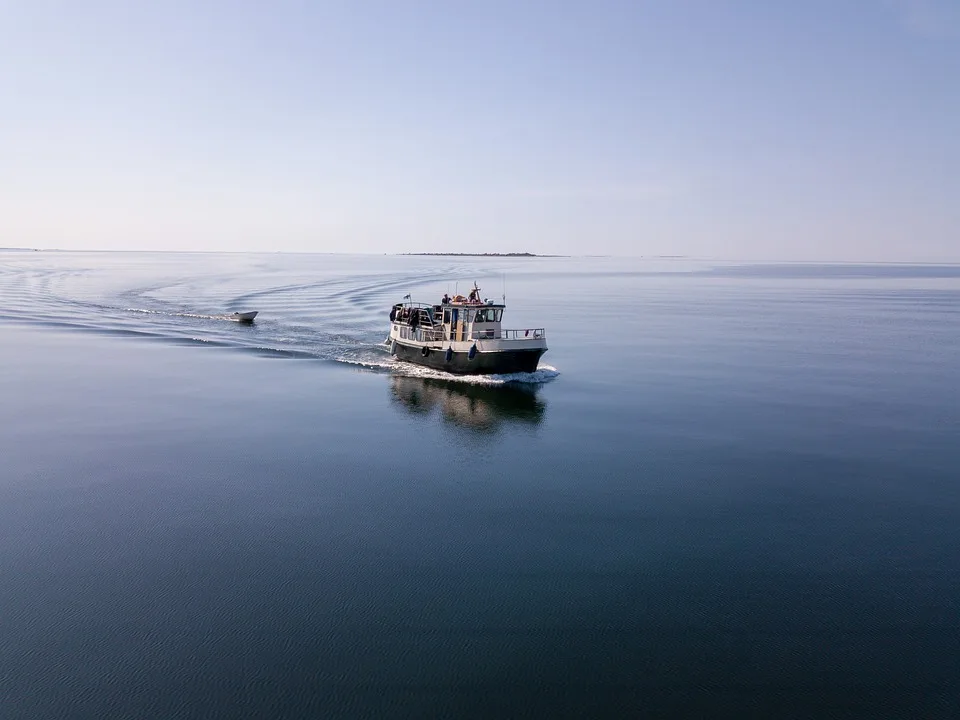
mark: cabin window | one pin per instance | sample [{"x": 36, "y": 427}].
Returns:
[
  {"x": 488, "y": 315},
  {"x": 446, "y": 317}
]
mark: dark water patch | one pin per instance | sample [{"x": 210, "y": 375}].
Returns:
[
  {"x": 55, "y": 324},
  {"x": 285, "y": 289},
  {"x": 281, "y": 353}
]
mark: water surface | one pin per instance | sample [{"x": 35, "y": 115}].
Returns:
[{"x": 730, "y": 491}]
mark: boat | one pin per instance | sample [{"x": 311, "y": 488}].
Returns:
[
  {"x": 244, "y": 317},
  {"x": 463, "y": 336}
]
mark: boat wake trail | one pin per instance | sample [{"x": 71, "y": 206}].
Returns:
[
  {"x": 198, "y": 316},
  {"x": 326, "y": 308},
  {"x": 543, "y": 374}
]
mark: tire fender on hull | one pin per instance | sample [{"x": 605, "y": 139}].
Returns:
[{"x": 458, "y": 362}]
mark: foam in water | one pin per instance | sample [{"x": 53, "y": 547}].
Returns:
[
  {"x": 543, "y": 374},
  {"x": 198, "y": 316}
]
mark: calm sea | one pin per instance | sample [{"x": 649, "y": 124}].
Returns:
[{"x": 729, "y": 491}]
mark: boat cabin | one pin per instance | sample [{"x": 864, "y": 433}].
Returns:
[{"x": 455, "y": 321}]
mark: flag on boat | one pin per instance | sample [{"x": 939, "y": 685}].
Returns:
[{"x": 406, "y": 297}]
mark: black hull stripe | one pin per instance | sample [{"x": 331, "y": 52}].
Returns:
[{"x": 502, "y": 362}]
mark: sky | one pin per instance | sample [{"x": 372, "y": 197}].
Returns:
[{"x": 731, "y": 129}]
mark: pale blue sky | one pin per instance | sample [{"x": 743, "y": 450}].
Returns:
[{"x": 741, "y": 129}]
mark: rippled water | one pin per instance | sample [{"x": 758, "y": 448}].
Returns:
[
  {"x": 729, "y": 491},
  {"x": 326, "y": 307}
]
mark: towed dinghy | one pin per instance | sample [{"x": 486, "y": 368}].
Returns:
[{"x": 244, "y": 317}]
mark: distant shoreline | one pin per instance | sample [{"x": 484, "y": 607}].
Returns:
[{"x": 448, "y": 254}]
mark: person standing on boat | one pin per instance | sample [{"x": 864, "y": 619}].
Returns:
[
  {"x": 475, "y": 295},
  {"x": 446, "y": 299}
]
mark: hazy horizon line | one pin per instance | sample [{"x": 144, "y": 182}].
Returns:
[{"x": 502, "y": 256}]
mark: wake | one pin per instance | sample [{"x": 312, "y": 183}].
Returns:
[{"x": 542, "y": 375}]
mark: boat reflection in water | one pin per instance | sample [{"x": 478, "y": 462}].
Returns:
[{"x": 480, "y": 408}]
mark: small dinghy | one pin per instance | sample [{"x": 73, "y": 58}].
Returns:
[{"x": 244, "y": 317}]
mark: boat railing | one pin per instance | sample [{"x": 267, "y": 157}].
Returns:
[
  {"x": 421, "y": 334},
  {"x": 427, "y": 334},
  {"x": 415, "y": 305},
  {"x": 492, "y": 334}
]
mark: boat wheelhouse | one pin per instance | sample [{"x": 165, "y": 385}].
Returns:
[{"x": 463, "y": 335}]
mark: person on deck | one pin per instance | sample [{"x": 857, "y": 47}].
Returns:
[{"x": 446, "y": 299}]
